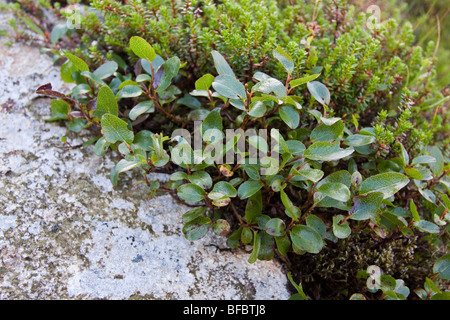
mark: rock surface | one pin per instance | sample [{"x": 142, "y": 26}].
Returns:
[{"x": 65, "y": 233}]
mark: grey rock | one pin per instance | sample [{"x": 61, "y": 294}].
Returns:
[{"x": 66, "y": 233}]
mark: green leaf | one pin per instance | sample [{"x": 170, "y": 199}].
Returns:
[
  {"x": 413, "y": 173},
  {"x": 414, "y": 212},
  {"x": 129, "y": 91},
  {"x": 317, "y": 224},
  {"x": 388, "y": 183},
  {"x": 299, "y": 82},
  {"x": 201, "y": 179},
  {"x": 404, "y": 153},
  {"x": 266, "y": 251},
  {"x": 359, "y": 140},
  {"x": 283, "y": 244},
  {"x": 60, "y": 110},
  {"x": 341, "y": 176},
  {"x": 193, "y": 213},
  {"x": 310, "y": 174},
  {"x": 256, "y": 246},
  {"x": 423, "y": 160},
  {"x": 106, "y": 70},
  {"x": 212, "y": 121},
  {"x": 290, "y": 116},
  {"x": 197, "y": 228},
  {"x": 191, "y": 192},
  {"x": 222, "y": 66},
  {"x": 284, "y": 58},
  {"x": 427, "y": 226},
  {"x": 142, "y": 48},
  {"x": 179, "y": 175},
  {"x": 438, "y": 166},
  {"x": 298, "y": 287},
  {"x": 67, "y": 69},
  {"x": 291, "y": 210},
  {"x": 229, "y": 87},
  {"x": 275, "y": 227},
  {"x": 189, "y": 101},
  {"x": 77, "y": 62},
  {"x": 205, "y": 82},
  {"x": 327, "y": 151},
  {"x": 58, "y": 31},
  {"x": 76, "y": 125},
  {"x": 343, "y": 230},
  {"x": 441, "y": 296},
  {"x": 271, "y": 85},
  {"x": 115, "y": 129},
  {"x": 101, "y": 146},
  {"x": 337, "y": 191},
  {"x": 225, "y": 188},
  {"x": 367, "y": 207},
  {"x": 106, "y": 103},
  {"x": 93, "y": 77},
  {"x": 247, "y": 235},
  {"x": 249, "y": 188},
  {"x": 442, "y": 266},
  {"x": 141, "y": 108},
  {"x": 387, "y": 283},
  {"x": 327, "y": 133},
  {"x": 122, "y": 166},
  {"x": 319, "y": 91},
  {"x": 253, "y": 207},
  {"x": 257, "y": 109},
  {"x": 171, "y": 68},
  {"x": 143, "y": 140},
  {"x": 307, "y": 239}
]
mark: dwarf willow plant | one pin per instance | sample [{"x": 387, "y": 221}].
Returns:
[{"x": 331, "y": 181}]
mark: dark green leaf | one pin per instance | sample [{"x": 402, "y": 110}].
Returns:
[
  {"x": 197, "y": 228},
  {"x": 442, "y": 266},
  {"x": 327, "y": 151},
  {"x": 142, "y": 48},
  {"x": 106, "y": 70},
  {"x": 275, "y": 227},
  {"x": 253, "y": 208},
  {"x": 229, "y": 87},
  {"x": 367, "y": 207},
  {"x": 256, "y": 246},
  {"x": 290, "y": 116},
  {"x": 328, "y": 133},
  {"x": 319, "y": 91},
  {"x": 222, "y": 66},
  {"x": 225, "y": 188},
  {"x": 106, "y": 103},
  {"x": 336, "y": 190},
  {"x": 193, "y": 213},
  {"x": 284, "y": 58},
  {"x": 388, "y": 183},
  {"x": 299, "y": 82},
  {"x": 342, "y": 230},
  {"x": 115, "y": 129},
  {"x": 249, "y": 188},
  {"x": 306, "y": 239},
  {"x": 191, "y": 192}
]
